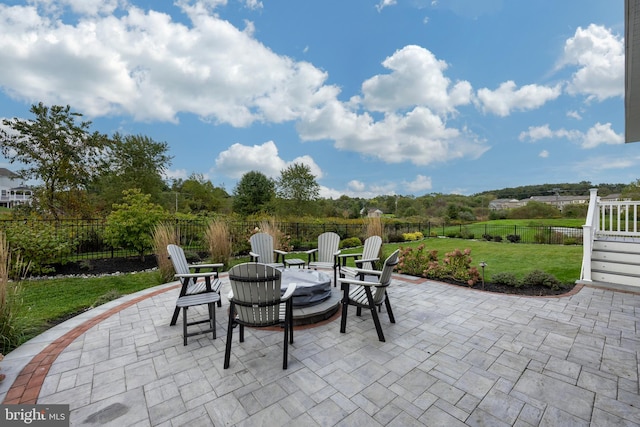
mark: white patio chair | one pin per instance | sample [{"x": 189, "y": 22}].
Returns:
[
  {"x": 368, "y": 290},
  {"x": 326, "y": 254},
  {"x": 189, "y": 275},
  {"x": 366, "y": 259},
  {"x": 262, "y": 250},
  {"x": 255, "y": 300}
]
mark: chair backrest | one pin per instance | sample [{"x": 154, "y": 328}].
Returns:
[
  {"x": 385, "y": 278},
  {"x": 178, "y": 259},
  {"x": 262, "y": 244},
  {"x": 328, "y": 244},
  {"x": 371, "y": 250},
  {"x": 256, "y": 293}
]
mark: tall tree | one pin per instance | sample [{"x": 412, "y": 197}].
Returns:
[
  {"x": 198, "y": 194},
  {"x": 254, "y": 193},
  {"x": 297, "y": 185},
  {"x": 55, "y": 148},
  {"x": 135, "y": 161}
]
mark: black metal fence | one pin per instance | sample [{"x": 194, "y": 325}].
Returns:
[{"x": 87, "y": 236}]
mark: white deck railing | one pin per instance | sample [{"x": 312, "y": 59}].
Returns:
[{"x": 607, "y": 219}]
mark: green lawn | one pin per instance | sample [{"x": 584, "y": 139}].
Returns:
[{"x": 44, "y": 301}]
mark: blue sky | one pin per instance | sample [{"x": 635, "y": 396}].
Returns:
[{"x": 377, "y": 97}]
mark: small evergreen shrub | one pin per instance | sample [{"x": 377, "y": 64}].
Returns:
[
  {"x": 513, "y": 238},
  {"x": 507, "y": 279},
  {"x": 497, "y": 238},
  {"x": 395, "y": 238},
  {"x": 541, "y": 278},
  {"x": 351, "y": 242},
  {"x": 487, "y": 237}
]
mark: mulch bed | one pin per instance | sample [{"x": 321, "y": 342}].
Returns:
[{"x": 533, "y": 291}]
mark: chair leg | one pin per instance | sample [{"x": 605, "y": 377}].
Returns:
[
  {"x": 184, "y": 325},
  {"x": 174, "y": 318},
  {"x": 290, "y": 317},
  {"x": 388, "y": 305},
  {"x": 212, "y": 318},
  {"x": 345, "y": 306},
  {"x": 374, "y": 313},
  {"x": 285, "y": 355},
  {"x": 227, "y": 351}
]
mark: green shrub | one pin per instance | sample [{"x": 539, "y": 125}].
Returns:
[
  {"x": 570, "y": 241},
  {"x": 351, "y": 242},
  {"x": 513, "y": 238},
  {"x": 39, "y": 244},
  {"x": 452, "y": 234},
  {"x": 497, "y": 238},
  {"x": 130, "y": 225},
  {"x": 395, "y": 238},
  {"x": 505, "y": 278},
  {"x": 541, "y": 278}
]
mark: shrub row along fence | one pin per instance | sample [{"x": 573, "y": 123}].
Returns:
[{"x": 83, "y": 239}]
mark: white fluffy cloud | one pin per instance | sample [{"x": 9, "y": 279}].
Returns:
[
  {"x": 149, "y": 66},
  {"x": 508, "y": 98},
  {"x": 599, "y": 56},
  {"x": 419, "y": 136},
  {"x": 419, "y": 185},
  {"x": 597, "y": 135},
  {"x": 416, "y": 79},
  {"x": 239, "y": 159}
]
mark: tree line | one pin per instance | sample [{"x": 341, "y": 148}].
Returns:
[{"x": 84, "y": 174}]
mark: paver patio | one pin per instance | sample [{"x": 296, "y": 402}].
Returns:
[{"x": 455, "y": 356}]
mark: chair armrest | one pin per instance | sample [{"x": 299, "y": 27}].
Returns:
[
  {"x": 361, "y": 261},
  {"x": 213, "y": 274},
  {"x": 289, "y": 292},
  {"x": 254, "y": 256},
  {"x": 349, "y": 255},
  {"x": 216, "y": 266},
  {"x": 311, "y": 253},
  {"x": 357, "y": 282},
  {"x": 278, "y": 251},
  {"x": 337, "y": 253},
  {"x": 366, "y": 272}
]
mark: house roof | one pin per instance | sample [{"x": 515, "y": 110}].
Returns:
[{"x": 6, "y": 172}]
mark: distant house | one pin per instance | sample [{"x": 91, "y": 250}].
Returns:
[
  {"x": 371, "y": 213},
  {"x": 561, "y": 201},
  {"x": 13, "y": 192},
  {"x": 502, "y": 204}
]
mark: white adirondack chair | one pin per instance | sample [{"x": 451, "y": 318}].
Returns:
[
  {"x": 262, "y": 250},
  {"x": 369, "y": 255},
  {"x": 326, "y": 254}
]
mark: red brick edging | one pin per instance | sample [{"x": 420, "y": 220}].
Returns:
[{"x": 26, "y": 388}]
